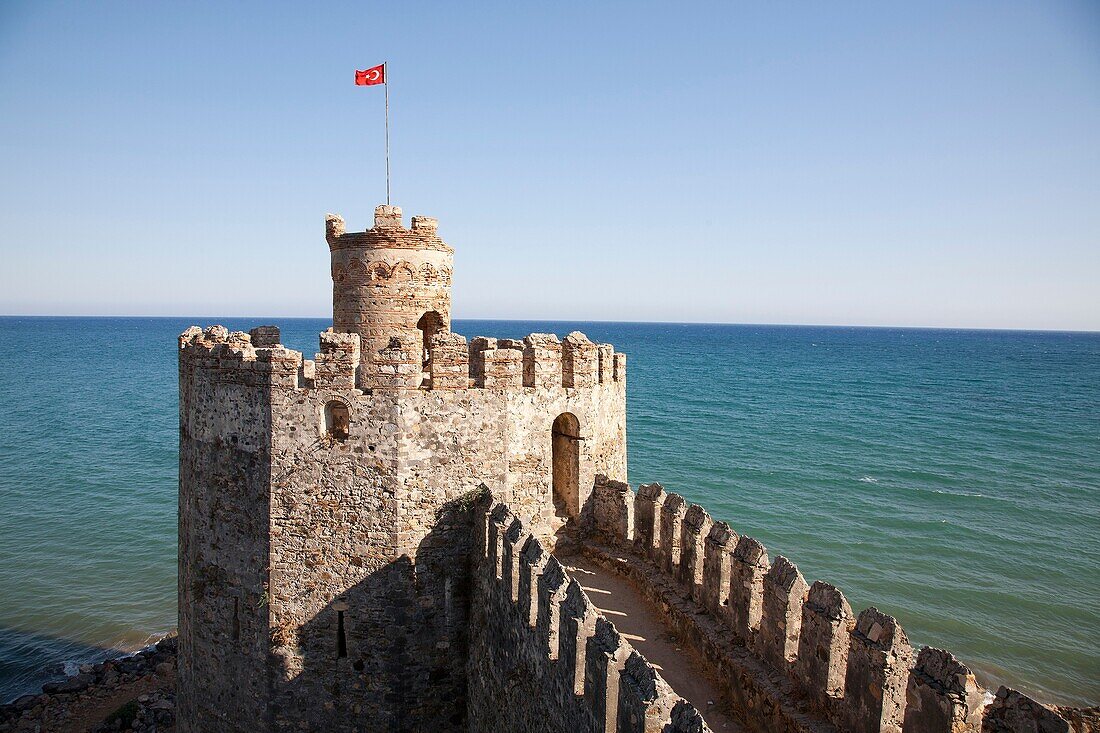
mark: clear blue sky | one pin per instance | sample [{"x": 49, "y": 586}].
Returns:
[{"x": 927, "y": 164}]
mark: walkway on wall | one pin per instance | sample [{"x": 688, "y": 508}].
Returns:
[{"x": 640, "y": 623}]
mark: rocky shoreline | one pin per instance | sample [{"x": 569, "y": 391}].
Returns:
[{"x": 133, "y": 693}]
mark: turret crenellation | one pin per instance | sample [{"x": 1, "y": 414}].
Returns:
[{"x": 387, "y": 217}]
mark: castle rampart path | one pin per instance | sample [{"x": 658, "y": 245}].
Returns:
[
  {"x": 789, "y": 656},
  {"x": 641, "y": 623}
]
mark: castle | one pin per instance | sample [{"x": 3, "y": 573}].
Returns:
[{"x": 373, "y": 540}]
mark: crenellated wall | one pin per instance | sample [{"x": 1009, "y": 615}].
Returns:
[
  {"x": 323, "y": 564},
  {"x": 794, "y": 656},
  {"x": 365, "y": 543},
  {"x": 542, "y": 658},
  {"x": 324, "y": 580}
]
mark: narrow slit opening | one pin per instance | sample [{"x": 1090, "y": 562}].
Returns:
[{"x": 341, "y": 637}]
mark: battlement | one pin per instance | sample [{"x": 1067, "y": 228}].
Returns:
[
  {"x": 848, "y": 672},
  {"x": 256, "y": 357},
  {"x": 565, "y": 666},
  {"x": 539, "y": 361},
  {"x": 364, "y": 542},
  {"x": 388, "y": 232}
]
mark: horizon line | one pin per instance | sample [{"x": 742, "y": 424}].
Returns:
[{"x": 578, "y": 320}]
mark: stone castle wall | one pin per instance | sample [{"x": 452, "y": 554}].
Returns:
[
  {"x": 364, "y": 542},
  {"x": 542, "y": 658},
  {"x": 793, "y": 655},
  {"x": 225, "y": 460},
  {"x": 335, "y": 568}
]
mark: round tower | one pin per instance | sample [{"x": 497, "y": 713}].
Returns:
[{"x": 390, "y": 281}]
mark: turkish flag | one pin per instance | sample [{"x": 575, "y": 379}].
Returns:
[{"x": 370, "y": 77}]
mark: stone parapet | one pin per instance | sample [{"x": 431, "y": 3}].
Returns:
[
  {"x": 539, "y": 361},
  {"x": 448, "y": 361},
  {"x": 942, "y": 695},
  {"x": 388, "y": 232},
  {"x": 452, "y": 363},
  {"x": 232, "y": 357},
  {"x": 716, "y": 567},
  {"x": 822, "y": 658},
  {"x": 781, "y": 613},
  {"x": 568, "y": 670},
  {"x": 794, "y": 656},
  {"x": 693, "y": 534},
  {"x": 647, "y": 516},
  {"x": 542, "y": 361},
  {"x": 613, "y": 508},
  {"x": 579, "y": 361}
]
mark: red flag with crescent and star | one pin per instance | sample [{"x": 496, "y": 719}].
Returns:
[{"x": 371, "y": 76}]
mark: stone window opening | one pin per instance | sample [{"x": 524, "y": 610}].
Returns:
[
  {"x": 341, "y": 637},
  {"x": 565, "y": 445},
  {"x": 429, "y": 325},
  {"x": 337, "y": 420}
]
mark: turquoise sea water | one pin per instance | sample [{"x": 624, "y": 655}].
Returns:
[{"x": 951, "y": 478}]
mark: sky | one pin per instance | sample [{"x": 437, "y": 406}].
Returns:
[{"x": 881, "y": 163}]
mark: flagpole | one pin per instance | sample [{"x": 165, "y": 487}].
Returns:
[{"x": 386, "y": 83}]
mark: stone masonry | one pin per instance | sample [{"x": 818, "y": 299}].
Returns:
[
  {"x": 367, "y": 542},
  {"x": 324, "y": 528}
]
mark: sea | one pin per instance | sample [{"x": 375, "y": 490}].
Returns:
[{"x": 950, "y": 478}]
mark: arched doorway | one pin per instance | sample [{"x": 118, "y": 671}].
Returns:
[
  {"x": 566, "y": 460},
  {"x": 429, "y": 324}
]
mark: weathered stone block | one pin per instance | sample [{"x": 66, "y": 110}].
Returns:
[
  {"x": 672, "y": 516},
  {"x": 943, "y": 696},
  {"x": 647, "y": 519},
  {"x": 542, "y": 356},
  {"x": 579, "y": 361},
  {"x": 605, "y": 355},
  {"x": 693, "y": 532},
  {"x": 263, "y": 336},
  {"x": 503, "y": 369},
  {"x": 613, "y": 510},
  {"x": 879, "y": 659},
  {"x": 618, "y": 373},
  {"x": 781, "y": 612},
  {"x": 748, "y": 565},
  {"x": 716, "y": 568},
  {"x": 823, "y": 644},
  {"x": 448, "y": 361},
  {"x": 1014, "y": 712}
]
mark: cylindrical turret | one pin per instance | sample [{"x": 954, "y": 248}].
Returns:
[{"x": 389, "y": 281}]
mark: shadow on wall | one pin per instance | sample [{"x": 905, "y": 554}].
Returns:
[
  {"x": 389, "y": 654},
  {"x": 543, "y": 658}
]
